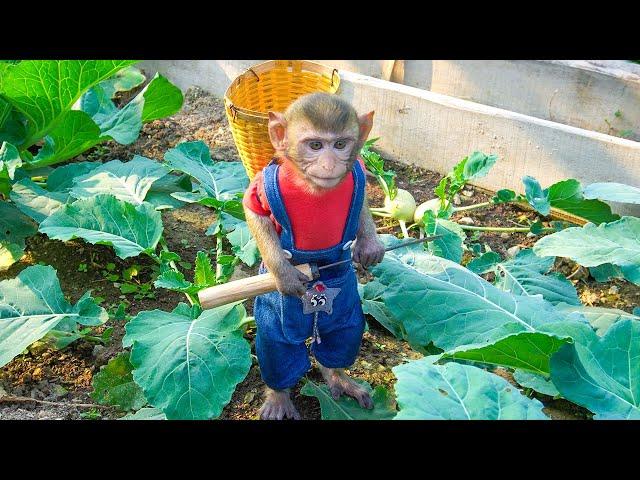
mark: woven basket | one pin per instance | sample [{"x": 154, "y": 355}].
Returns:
[{"x": 269, "y": 86}]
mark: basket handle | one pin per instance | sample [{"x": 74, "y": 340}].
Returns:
[
  {"x": 257, "y": 77},
  {"x": 333, "y": 74},
  {"x": 234, "y": 111}
]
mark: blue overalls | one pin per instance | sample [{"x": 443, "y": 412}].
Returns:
[{"x": 282, "y": 327}]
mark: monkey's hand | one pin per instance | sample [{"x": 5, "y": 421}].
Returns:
[
  {"x": 369, "y": 251},
  {"x": 290, "y": 280}
]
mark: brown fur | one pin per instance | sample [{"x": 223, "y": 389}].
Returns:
[{"x": 326, "y": 113}]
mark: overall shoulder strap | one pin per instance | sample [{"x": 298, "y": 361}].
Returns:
[
  {"x": 276, "y": 204},
  {"x": 359, "y": 189}
]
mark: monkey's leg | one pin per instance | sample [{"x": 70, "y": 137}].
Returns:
[
  {"x": 340, "y": 383},
  {"x": 278, "y": 405}
]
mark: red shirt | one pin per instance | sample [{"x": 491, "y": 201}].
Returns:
[{"x": 317, "y": 220}]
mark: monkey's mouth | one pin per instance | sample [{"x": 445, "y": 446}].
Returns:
[{"x": 326, "y": 181}]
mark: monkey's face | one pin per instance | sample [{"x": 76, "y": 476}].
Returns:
[{"x": 324, "y": 157}]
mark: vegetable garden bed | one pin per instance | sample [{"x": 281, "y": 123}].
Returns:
[{"x": 48, "y": 382}]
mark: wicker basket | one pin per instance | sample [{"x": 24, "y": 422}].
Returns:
[{"x": 269, "y": 86}]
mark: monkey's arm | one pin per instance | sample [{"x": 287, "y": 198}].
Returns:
[
  {"x": 289, "y": 280},
  {"x": 369, "y": 250}
]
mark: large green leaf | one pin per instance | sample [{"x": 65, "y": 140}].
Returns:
[
  {"x": 600, "y": 318},
  {"x": 459, "y": 392},
  {"x": 567, "y": 195},
  {"x": 441, "y": 302},
  {"x": 372, "y": 304},
  {"x": 74, "y": 134},
  {"x": 527, "y": 274},
  {"x": 32, "y": 304},
  {"x": 123, "y": 81},
  {"x": 105, "y": 220},
  {"x": 189, "y": 365},
  {"x": 536, "y": 382},
  {"x": 603, "y": 376},
  {"x": 147, "y": 413},
  {"x": 224, "y": 223},
  {"x": 129, "y": 181},
  {"x": 14, "y": 228},
  {"x": 10, "y": 253},
  {"x": 478, "y": 165},
  {"x": 173, "y": 280},
  {"x": 114, "y": 385},
  {"x": 35, "y": 201},
  {"x": 616, "y": 242},
  {"x": 220, "y": 180},
  {"x": 160, "y": 98},
  {"x": 122, "y": 125},
  {"x": 605, "y": 272},
  {"x": 613, "y": 192},
  {"x": 243, "y": 245},
  {"x": 159, "y": 195},
  {"x": 487, "y": 262},
  {"x": 62, "y": 178},
  {"x": 450, "y": 244},
  {"x": 12, "y": 124},
  {"x": 45, "y": 90},
  {"x": 537, "y": 196},
  {"x": 346, "y": 408},
  {"x": 10, "y": 160}
]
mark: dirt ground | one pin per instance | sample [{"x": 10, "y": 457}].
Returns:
[{"x": 63, "y": 378}]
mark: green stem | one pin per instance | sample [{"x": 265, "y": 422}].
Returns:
[
  {"x": 163, "y": 244},
  {"x": 248, "y": 321},
  {"x": 380, "y": 213},
  {"x": 472, "y": 207},
  {"x": 219, "y": 253},
  {"x": 502, "y": 229},
  {"x": 403, "y": 227},
  {"x": 384, "y": 186},
  {"x": 93, "y": 339}
]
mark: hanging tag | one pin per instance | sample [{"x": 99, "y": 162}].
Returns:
[{"x": 319, "y": 298}]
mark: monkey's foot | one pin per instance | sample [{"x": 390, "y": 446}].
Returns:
[
  {"x": 278, "y": 405},
  {"x": 340, "y": 383}
]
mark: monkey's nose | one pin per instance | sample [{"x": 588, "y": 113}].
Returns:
[{"x": 328, "y": 165}]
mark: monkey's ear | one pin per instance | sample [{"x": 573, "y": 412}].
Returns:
[
  {"x": 277, "y": 130},
  {"x": 365, "y": 122}
]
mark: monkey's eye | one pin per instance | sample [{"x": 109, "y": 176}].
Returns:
[
  {"x": 315, "y": 145},
  {"x": 340, "y": 144}
]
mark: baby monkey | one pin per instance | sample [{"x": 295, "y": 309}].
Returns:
[{"x": 309, "y": 205}]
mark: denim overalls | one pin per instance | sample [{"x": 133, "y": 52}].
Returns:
[{"x": 282, "y": 327}]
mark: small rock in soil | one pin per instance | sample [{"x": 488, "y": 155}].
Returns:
[
  {"x": 456, "y": 199},
  {"x": 467, "y": 193},
  {"x": 504, "y": 235},
  {"x": 97, "y": 350},
  {"x": 614, "y": 290},
  {"x": 466, "y": 221}
]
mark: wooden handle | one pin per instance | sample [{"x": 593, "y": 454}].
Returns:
[{"x": 243, "y": 288}]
